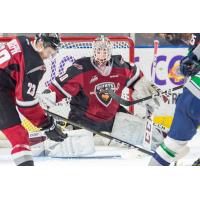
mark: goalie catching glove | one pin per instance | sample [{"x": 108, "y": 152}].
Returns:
[
  {"x": 52, "y": 131},
  {"x": 144, "y": 88}
]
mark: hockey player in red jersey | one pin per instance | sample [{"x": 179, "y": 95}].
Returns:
[
  {"x": 87, "y": 81},
  {"x": 21, "y": 69}
]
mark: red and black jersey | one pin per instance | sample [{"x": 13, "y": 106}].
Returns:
[
  {"x": 21, "y": 69},
  {"x": 88, "y": 88}
]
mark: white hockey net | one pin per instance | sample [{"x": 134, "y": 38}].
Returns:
[
  {"x": 77, "y": 47},
  {"x": 72, "y": 49}
]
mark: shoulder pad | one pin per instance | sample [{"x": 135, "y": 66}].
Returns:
[
  {"x": 116, "y": 57},
  {"x": 119, "y": 61},
  {"x": 82, "y": 60},
  {"x": 24, "y": 41},
  {"x": 82, "y": 63}
]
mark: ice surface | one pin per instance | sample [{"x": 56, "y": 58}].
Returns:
[{"x": 106, "y": 155}]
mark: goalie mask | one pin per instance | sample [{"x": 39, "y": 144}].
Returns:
[{"x": 102, "y": 51}]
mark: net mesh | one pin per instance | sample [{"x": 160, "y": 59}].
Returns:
[{"x": 70, "y": 51}]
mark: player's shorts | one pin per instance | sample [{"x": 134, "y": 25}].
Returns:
[
  {"x": 8, "y": 113},
  {"x": 186, "y": 117}
]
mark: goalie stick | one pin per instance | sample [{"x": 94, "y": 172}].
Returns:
[
  {"x": 154, "y": 64},
  {"x": 56, "y": 116},
  {"x": 124, "y": 102}
]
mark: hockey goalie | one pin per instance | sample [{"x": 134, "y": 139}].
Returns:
[{"x": 87, "y": 81}]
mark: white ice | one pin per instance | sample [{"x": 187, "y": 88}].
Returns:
[{"x": 121, "y": 155}]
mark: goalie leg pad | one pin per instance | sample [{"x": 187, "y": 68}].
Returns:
[
  {"x": 128, "y": 128},
  {"x": 132, "y": 129},
  {"x": 78, "y": 143}
]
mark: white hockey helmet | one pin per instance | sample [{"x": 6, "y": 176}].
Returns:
[{"x": 102, "y": 50}]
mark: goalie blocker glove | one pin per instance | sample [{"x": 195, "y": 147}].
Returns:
[
  {"x": 52, "y": 131},
  {"x": 144, "y": 88}
]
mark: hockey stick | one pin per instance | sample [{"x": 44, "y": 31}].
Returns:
[
  {"x": 124, "y": 102},
  {"x": 147, "y": 140},
  {"x": 154, "y": 64},
  {"x": 148, "y": 134},
  {"x": 56, "y": 116}
]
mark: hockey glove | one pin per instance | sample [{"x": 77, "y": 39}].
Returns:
[
  {"x": 47, "y": 99},
  {"x": 144, "y": 88},
  {"x": 189, "y": 65},
  {"x": 52, "y": 131}
]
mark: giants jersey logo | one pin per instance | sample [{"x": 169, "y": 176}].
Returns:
[{"x": 102, "y": 94}]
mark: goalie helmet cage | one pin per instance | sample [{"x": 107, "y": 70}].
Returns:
[{"x": 75, "y": 47}]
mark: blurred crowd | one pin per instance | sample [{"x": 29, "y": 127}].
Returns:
[
  {"x": 175, "y": 39},
  {"x": 141, "y": 39}
]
